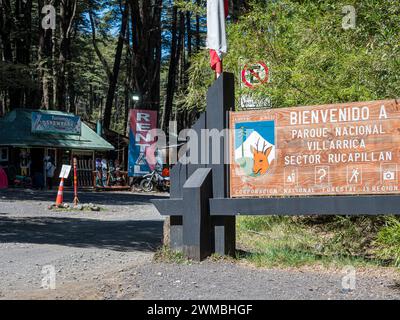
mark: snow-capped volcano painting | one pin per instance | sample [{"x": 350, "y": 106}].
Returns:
[{"x": 255, "y": 146}]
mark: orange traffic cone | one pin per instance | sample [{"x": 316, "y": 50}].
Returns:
[{"x": 60, "y": 198}]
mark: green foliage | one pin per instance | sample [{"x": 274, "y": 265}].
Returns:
[
  {"x": 388, "y": 241},
  {"x": 192, "y": 7},
  {"x": 295, "y": 241},
  {"x": 261, "y": 223},
  {"x": 313, "y": 60},
  {"x": 16, "y": 76},
  {"x": 351, "y": 236},
  {"x": 200, "y": 79},
  {"x": 276, "y": 241}
]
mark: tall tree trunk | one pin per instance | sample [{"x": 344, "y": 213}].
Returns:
[
  {"x": 146, "y": 46},
  {"x": 6, "y": 25},
  {"x": 115, "y": 72},
  {"x": 198, "y": 28},
  {"x": 128, "y": 83},
  {"x": 171, "y": 82},
  {"x": 181, "y": 49},
  {"x": 54, "y": 70},
  {"x": 22, "y": 44},
  {"x": 71, "y": 91},
  {"x": 189, "y": 32},
  {"x": 90, "y": 100},
  {"x": 72, "y": 97},
  {"x": 96, "y": 48},
  {"x": 189, "y": 46},
  {"x": 44, "y": 60},
  {"x": 67, "y": 16},
  {"x": 7, "y": 54}
]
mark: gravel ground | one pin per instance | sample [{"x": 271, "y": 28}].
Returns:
[
  {"x": 215, "y": 280},
  {"x": 84, "y": 247},
  {"x": 108, "y": 255}
]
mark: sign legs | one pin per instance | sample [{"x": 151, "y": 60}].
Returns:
[
  {"x": 203, "y": 234},
  {"x": 197, "y": 229},
  {"x": 196, "y": 233}
]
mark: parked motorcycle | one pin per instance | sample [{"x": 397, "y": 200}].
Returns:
[{"x": 154, "y": 180}]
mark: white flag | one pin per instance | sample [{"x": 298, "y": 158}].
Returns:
[{"x": 216, "y": 34}]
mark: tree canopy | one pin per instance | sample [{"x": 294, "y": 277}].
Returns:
[
  {"x": 103, "y": 52},
  {"x": 312, "y": 58}
]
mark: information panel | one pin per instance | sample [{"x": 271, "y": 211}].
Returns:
[{"x": 336, "y": 149}]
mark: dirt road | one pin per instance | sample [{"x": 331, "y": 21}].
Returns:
[
  {"x": 109, "y": 255},
  {"x": 84, "y": 247}
]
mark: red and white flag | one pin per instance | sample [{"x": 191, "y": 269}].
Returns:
[{"x": 217, "y": 11}]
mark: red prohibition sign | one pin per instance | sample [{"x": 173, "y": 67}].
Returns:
[{"x": 255, "y": 74}]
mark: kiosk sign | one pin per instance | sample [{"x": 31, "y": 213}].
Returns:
[
  {"x": 336, "y": 149},
  {"x": 56, "y": 124}
]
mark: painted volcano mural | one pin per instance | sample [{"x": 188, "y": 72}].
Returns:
[{"x": 255, "y": 147}]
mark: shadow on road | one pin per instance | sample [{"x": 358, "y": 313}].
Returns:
[
  {"x": 100, "y": 198},
  {"x": 113, "y": 235}
]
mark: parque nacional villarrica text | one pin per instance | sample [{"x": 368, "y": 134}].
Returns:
[{"x": 350, "y": 148}]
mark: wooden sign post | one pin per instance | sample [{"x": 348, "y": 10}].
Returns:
[{"x": 339, "y": 159}]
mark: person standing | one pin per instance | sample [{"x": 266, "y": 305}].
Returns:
[
  {"x": 25, "y": 163},
  {"x": 50, "y": 168}
]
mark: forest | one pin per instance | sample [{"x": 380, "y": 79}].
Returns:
[{"x": 98, "y": 58}]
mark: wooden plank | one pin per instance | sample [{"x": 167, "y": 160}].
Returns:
[
  {"x": 197, "y": 228},
  {"x": 298, "y": 206},
  {"x": 335, "y": 149}
]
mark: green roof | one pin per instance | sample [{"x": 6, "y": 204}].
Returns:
[{"x": 16, "y": 130}]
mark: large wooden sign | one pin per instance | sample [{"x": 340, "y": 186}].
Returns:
[{"x": 337, "y": 149}]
